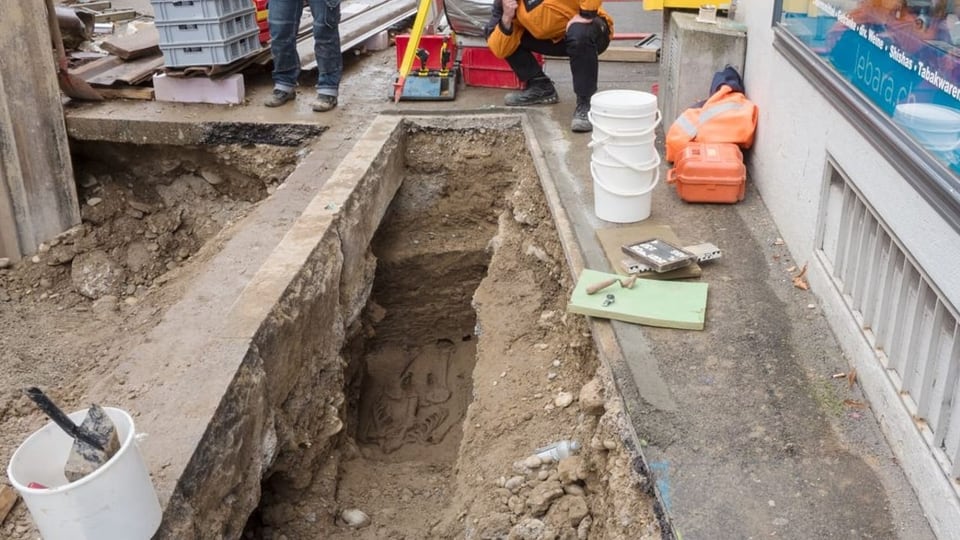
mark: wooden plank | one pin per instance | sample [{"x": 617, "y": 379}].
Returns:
[
  {"x": 628, "y": 54},
  {"x": 668, "y": 304},
  {"x": 39, "y": 188},
  {"x": 143, "y": 42},
  {"x": 115, "y": 16},
  {"x": 8, "y": 498},
  {"x": 92, "y": 69},
  {"x": 99, "y": 5},
  {"x": 130, "y": 73},
  {"x": 129, "y": 92}
]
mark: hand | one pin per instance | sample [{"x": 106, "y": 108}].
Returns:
[
  {"x": 509, "y": 11},
  {"x": 578, "y": 19}
]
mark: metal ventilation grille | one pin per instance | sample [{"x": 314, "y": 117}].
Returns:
[{"x": 912, "y": 327}]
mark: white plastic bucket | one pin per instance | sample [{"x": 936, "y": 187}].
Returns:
[
  {"x": 115, "y": 502},
  {"x": 624, "y": 112},
  {"x": 624, "y": 176},
  {"x": 935, "y": 126},
  {"x": 623, "y": 125},
  {"x": 618, "y": 206},
  {"x": 623, "y": 103},
  {"x": 634, "y": 150}
]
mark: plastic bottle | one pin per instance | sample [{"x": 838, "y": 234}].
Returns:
[{"x": 558, "y": 450}]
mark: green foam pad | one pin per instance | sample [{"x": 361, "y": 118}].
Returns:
[{"x": 669, "y": 304}]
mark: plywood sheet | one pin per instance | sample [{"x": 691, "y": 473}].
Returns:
[
  {"x": 667, "y": 304},
  {"x": 143, "y": 42},
  {"x": 611, "y": 239}
]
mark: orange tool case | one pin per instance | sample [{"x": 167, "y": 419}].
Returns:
[{"x": 710, "y": 173}]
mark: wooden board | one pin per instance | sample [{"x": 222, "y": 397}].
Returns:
[
  {"x": 615, "y": 53},
  {"x": 128, "y": 92},
  {"x": 38, "y": 199},
  {"x": 99, "y": 5},
  {"x": 8, "y": 498},
  {"x": 143, "y": 42},
  {"x": 611, "y": 239},
  {"x": 667, "y": 304},
  {"x": 112, "y": 70},
  {"x": 114, "y": 16}
]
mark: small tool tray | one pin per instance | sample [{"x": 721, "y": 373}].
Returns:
[{"x": 659, "y": 255}]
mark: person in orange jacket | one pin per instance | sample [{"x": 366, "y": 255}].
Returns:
[{"x": 578, "y": 29}]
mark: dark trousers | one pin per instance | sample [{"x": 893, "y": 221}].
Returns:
[{"x": 582, "y": 44}]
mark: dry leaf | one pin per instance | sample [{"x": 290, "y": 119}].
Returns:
[
  {"x": 854, "y": 403},
  {"x": 851, "y": 377},
  {"x": 799, "y": 281}
]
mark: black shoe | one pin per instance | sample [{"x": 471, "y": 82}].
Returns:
[
  {"x": 539, "y": 91},
  {"x": 581, "y": 121},
  {"x": 279, "y": 97}
]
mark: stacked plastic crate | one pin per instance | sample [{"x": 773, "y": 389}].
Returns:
[
  {"x": 206, "y": 32},
  {"x": 262, "y": 10}
]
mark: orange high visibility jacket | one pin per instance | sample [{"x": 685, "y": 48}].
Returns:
[
  {"x": 544, "y": 19},
  {"x": 727, "y": 117}
]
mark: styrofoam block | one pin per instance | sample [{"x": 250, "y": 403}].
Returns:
[
  {"x": 378, "y": 42},
  {"x": 226, "y": 91}
]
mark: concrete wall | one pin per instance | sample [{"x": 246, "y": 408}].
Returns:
[{"x": 798, "y": 129}]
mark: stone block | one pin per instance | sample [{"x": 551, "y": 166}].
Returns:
[{"x": 692, "y": 53}]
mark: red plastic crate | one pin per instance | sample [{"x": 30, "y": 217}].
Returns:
[
  {"x": 264, "y": 31},
  {"x": 481, "y": 68},
  {"x": 432, "y": 44},
  {"x": 261, "y": 4}
]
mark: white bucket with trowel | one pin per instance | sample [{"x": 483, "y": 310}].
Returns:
[{"x": 82, "y": 476}]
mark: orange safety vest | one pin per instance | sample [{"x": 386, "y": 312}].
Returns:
[{"x": 727, "y": 117}]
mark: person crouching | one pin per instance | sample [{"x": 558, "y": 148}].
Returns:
[{"x": 578, "y": 29}]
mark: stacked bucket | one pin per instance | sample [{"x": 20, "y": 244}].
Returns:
[{"x": 625, "y": 164}]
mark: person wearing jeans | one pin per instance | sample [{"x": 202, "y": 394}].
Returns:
[
  {"x": 284, "y": 21},
  {"x": 578, "y": 29}
]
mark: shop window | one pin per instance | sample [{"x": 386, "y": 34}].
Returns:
[
  {"x": 892, "y": 68},
  {"x": 902, "y": 55}
]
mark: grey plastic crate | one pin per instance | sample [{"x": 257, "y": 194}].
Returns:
[
  {"x": 206, "y": 31},
  {"x": 211, "y": 54},
  {"x": 192, "y": 10}
]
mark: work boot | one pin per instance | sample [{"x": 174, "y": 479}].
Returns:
[
  {"x": 581, "y": 121},
  {"x": 539, "y": 91},
  {"x": 324, "y": 103},
  {"x": 279, "y": 97}
]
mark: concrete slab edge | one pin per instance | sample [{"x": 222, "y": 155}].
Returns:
[{"x": 290, "y": 317}]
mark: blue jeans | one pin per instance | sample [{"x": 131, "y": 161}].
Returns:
[{"x": 284, "y": 19}]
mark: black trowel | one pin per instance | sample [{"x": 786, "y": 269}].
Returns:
[{"x": 95, "y": 440}]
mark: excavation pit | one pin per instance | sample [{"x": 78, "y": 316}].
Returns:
[
  {"x": 457, "y": 365},
  {"x": 402, "y": 350}
]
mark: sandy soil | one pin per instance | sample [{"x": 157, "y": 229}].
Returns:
[
  {"x": 450, "y": 393},
  {"x": 151, "y": 217}
]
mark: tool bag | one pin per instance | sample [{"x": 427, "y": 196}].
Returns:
[{"x": 726, "y": 117}]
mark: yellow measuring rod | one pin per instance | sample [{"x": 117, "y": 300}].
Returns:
[{"x": 412, "y": 45}]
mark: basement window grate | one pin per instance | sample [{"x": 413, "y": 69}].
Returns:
[{"x": 911, "y": 326}]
